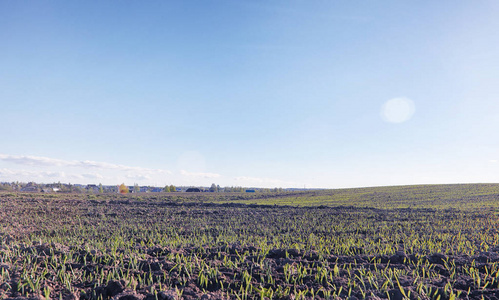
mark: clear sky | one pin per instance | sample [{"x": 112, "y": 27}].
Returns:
[{"x": 250, "y": 93}]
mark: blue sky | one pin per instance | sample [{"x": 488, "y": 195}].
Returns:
[{"x": 253, "y": 93}]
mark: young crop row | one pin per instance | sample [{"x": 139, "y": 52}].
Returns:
[
  {"x": 98, "y": 248},
  {"x": 51, "y": 270}
]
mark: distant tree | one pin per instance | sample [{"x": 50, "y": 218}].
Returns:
[
  {"x": 69, "y": 188},
  {"x": 166, "y": 189},
  {"x": 213, "y": 187},
  {"x": 123, "y": 189},
  {"x": 136, "y": 188},
  {"x": 101, "y": 189},
  {"x": 5, "y": 187},
  {"x": 173, "y": 188}
]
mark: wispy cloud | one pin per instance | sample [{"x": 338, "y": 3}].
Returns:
[
  {"x": 53, "y": 162},
  {"x": 92, "y": 176},
  {"x": 138, "y": 177},
  {"x": 199, "y": 174},
  {"x": 33, "y": 160},
  {"x": 260, "y": 181},
  {"x": 47, "y": 169},
  {"x": 25, "y": 173}
]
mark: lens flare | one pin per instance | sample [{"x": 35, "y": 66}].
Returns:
[{"x": 398, "y": 110}]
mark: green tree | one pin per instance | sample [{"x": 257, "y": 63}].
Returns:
[
  {"x": 101, "y": 189},
  {"x": 213, "y": 187},
  {"x": 166, "y": 189},
  {"x": 136, "y": 188},
  {"x": 173, "y": 188}
]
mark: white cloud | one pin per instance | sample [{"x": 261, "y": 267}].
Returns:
[
  {"x": 46, "y": 161},
  {"x": 262, "y": 181},
  {"x": 8, "y": 172},
  {"x": 33, "y": 160},
  {"x": 493, "y": 161},
  {"x": 54, "y": 174},
  {"x": 32, "y": 174},
  {"x": 138, "y": 177},
  {"x": 92, "y": 176},
  {"x": 45, "y": 169},
  {"x": 199, "y": 175}
]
